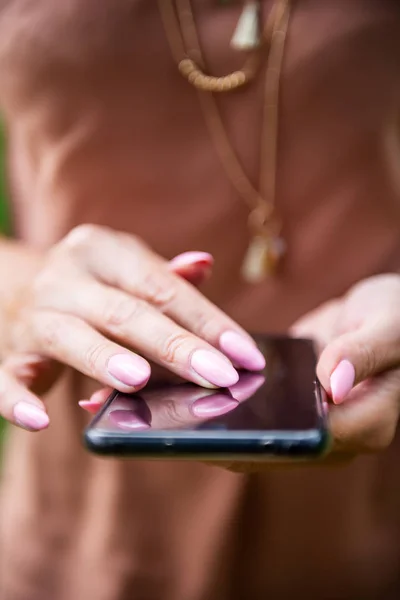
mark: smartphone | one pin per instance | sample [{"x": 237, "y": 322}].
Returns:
[{"x": 279, "y": 413}]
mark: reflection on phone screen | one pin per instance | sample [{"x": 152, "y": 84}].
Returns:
[{"x": 281, "y": 398}]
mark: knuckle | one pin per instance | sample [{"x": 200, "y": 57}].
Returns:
[
  {"x": 159, "y": 290},
  {"x": 208, "y": 326},
  {"x": 134, "y": 241},
  {"x": 173, "y": 346},
  {"x": 121, "y": 311},
  {"x": 82, "y": 236},
  {"x": 369, "y": 359},
  {"x": 53, "y": 287},
  {"x": 95, "y": 357}
]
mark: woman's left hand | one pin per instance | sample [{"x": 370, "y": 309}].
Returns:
[{"x": 359, "y": 366}]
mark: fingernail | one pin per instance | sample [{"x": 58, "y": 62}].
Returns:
[
  {"x": 214, "y": 369},
  {"x": 241, "y": 351},
  {"x": 128, "y": 420},
  {"x": 213, "y": 406},
  {"x": 191, "y": 258},
  {"x": 90, "y": 406},
  {"x": 342, "y": 381},
  {"x": 30, "y": 416},
  {"x": 129, "y": 370},
  {"x": 100, "y": 396}
]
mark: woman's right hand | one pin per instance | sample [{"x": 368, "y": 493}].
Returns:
[{"x": 100, "y": 302}]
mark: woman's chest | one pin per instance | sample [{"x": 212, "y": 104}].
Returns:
[{"x": 97, "y": 110}]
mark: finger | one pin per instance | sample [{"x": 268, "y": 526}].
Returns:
[
  {"x": 73, "y": 342},
  {"x": 318, "y": 325},
  {"x": 36, "y": 372},
  {"x": 195, "y": 267},
  {"x": 136, "y": 324},
  {"x": 20, "y": 406},
  {"x": 96, "y": 400},
  {"x": 367, "y": 421},
  {"x": 101, "y": 395},
  {"x": 124, "y": 262},
  {"x": 358, "y": 355}
]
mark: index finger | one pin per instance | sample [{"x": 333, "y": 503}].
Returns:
[{"x": 122, "y": 261}]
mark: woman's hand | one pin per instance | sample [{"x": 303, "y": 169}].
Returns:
[
  {"x": 100, "y": 301},
  {"x": 359, "y": 366}
]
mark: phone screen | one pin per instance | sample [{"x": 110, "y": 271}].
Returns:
[{"x": 282, "y": 398}]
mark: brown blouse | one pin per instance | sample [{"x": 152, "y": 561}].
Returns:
[{"x": 103, "y": 129}]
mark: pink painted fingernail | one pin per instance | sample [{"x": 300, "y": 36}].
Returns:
[
  {"x": 187, "y": 259},
  {"x": 30, "y": 417},
  {"x": 213, "y": 406},
  {"x": 342, "y": 381},
  {"x": 100, "y": 396},
  {"x": 129, "y": 370},
  {"x": 241, "y": 351},
  {"x": 214, "y": 369},
  {"x": 90, "y": 406}
]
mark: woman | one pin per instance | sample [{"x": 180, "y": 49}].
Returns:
[{"x": 104, "y": 130}]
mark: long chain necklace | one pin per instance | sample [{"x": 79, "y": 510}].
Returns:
[{"x": 266, "y": 247}]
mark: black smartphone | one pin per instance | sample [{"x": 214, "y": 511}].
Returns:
[{"x": 277, "y": 414}]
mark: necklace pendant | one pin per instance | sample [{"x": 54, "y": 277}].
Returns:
[
  {"x": 247, "y": 33},
  {"x": 262, "y": 258}
]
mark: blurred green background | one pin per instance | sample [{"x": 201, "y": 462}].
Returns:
[{"x": 5, "y": 220}]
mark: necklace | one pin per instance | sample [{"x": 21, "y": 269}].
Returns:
[{"x": 266, "y": 247}]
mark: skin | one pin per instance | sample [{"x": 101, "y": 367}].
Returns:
[
  {"x": 91, "y": 300},
  {"x": 51, "y": 324},
  {"x": 363, "y": 327}
]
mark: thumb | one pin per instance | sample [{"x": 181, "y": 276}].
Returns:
[
  {"x": 195, "y": 267},
  {"x": 358, "y": 355}
]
